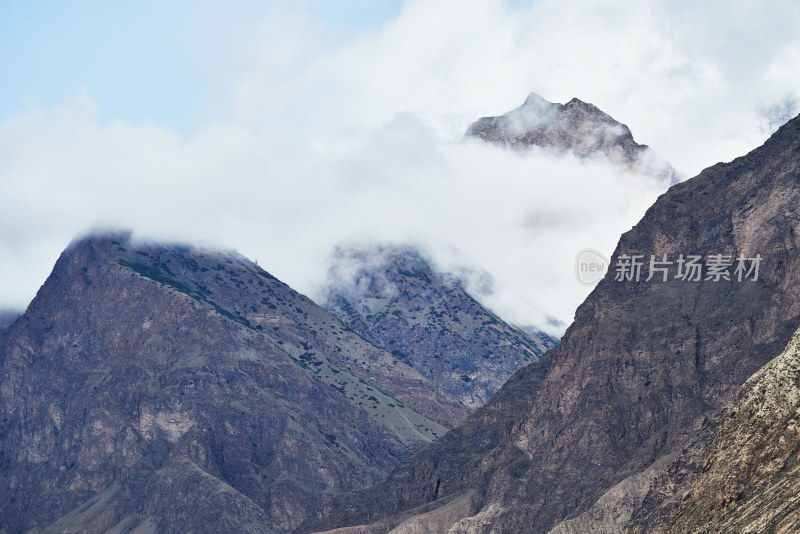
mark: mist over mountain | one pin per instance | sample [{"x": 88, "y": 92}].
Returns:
[
  {"x": 395, "y": 298},
  {"x": 152, "y": 351},
  {"x": 369, "y": 290},
  {"x": 609, "y": 430},
  {"x": 521, "y": 216},
  {"x": 156, "y": 387},
  {"x": 576, "y": 127}
]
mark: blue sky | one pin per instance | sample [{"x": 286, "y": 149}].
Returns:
[{"x": 164, "y": 61}]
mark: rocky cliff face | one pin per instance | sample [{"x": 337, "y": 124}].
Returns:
[
  {"x": 163, "y": 388},
  {"x": 750, "y": 480},
  {"x": 576, "y": 127},
  {"x": 395, "y": 299},
  {"x": 646, "y": 368}
]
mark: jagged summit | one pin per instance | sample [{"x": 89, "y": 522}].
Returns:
[
  {"x": 534, "y": 99},
  {"x": 578, "y": 103},
  {"x": 396, "y": 299},
  {"x": 577, "y": 127}
]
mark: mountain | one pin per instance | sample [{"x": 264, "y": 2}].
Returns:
[
  {"x": 576, "y": 127},
  {"x": 750, "y": 480},
  {"x": 153, "y": 387},
  {"x": 396, "y": 300},
  {"x": 6, "y": 318},
  {"x": 591, "y": 430}
]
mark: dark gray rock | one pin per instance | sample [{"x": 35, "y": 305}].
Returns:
[{"x": 395, "y": 299}]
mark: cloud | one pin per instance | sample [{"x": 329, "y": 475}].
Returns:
[
  {"x": 690, "y": 80},
  {"x": 348, "y": 139},
  {"x": 520, "y": 216}
]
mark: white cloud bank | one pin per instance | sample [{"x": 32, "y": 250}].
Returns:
[{"x": 361, "y": 141}]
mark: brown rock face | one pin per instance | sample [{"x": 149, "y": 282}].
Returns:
[
  {"x": 170, "y": 389},
  {"x": 396, "y": 300},
  {"x": 750, "y": 481},
  {"x": 644, "y": 369},
  {"x": 576, "y": 127}
]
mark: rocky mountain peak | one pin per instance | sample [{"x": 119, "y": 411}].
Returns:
[
  {"x": 395, "y": 298},
  {"x": 534, "y": 99},
  {"x": 578, "y": 103},
  {"x": 577, "y": 127}
]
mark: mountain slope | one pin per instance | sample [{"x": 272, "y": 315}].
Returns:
[
  {"x": 395, "y": 299},
  {"x": 576, "y": 127},
  {"x": 751, "y": 476},
  {"x": 164, "y": 386},
  {"x": 642, "y": 371}
]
